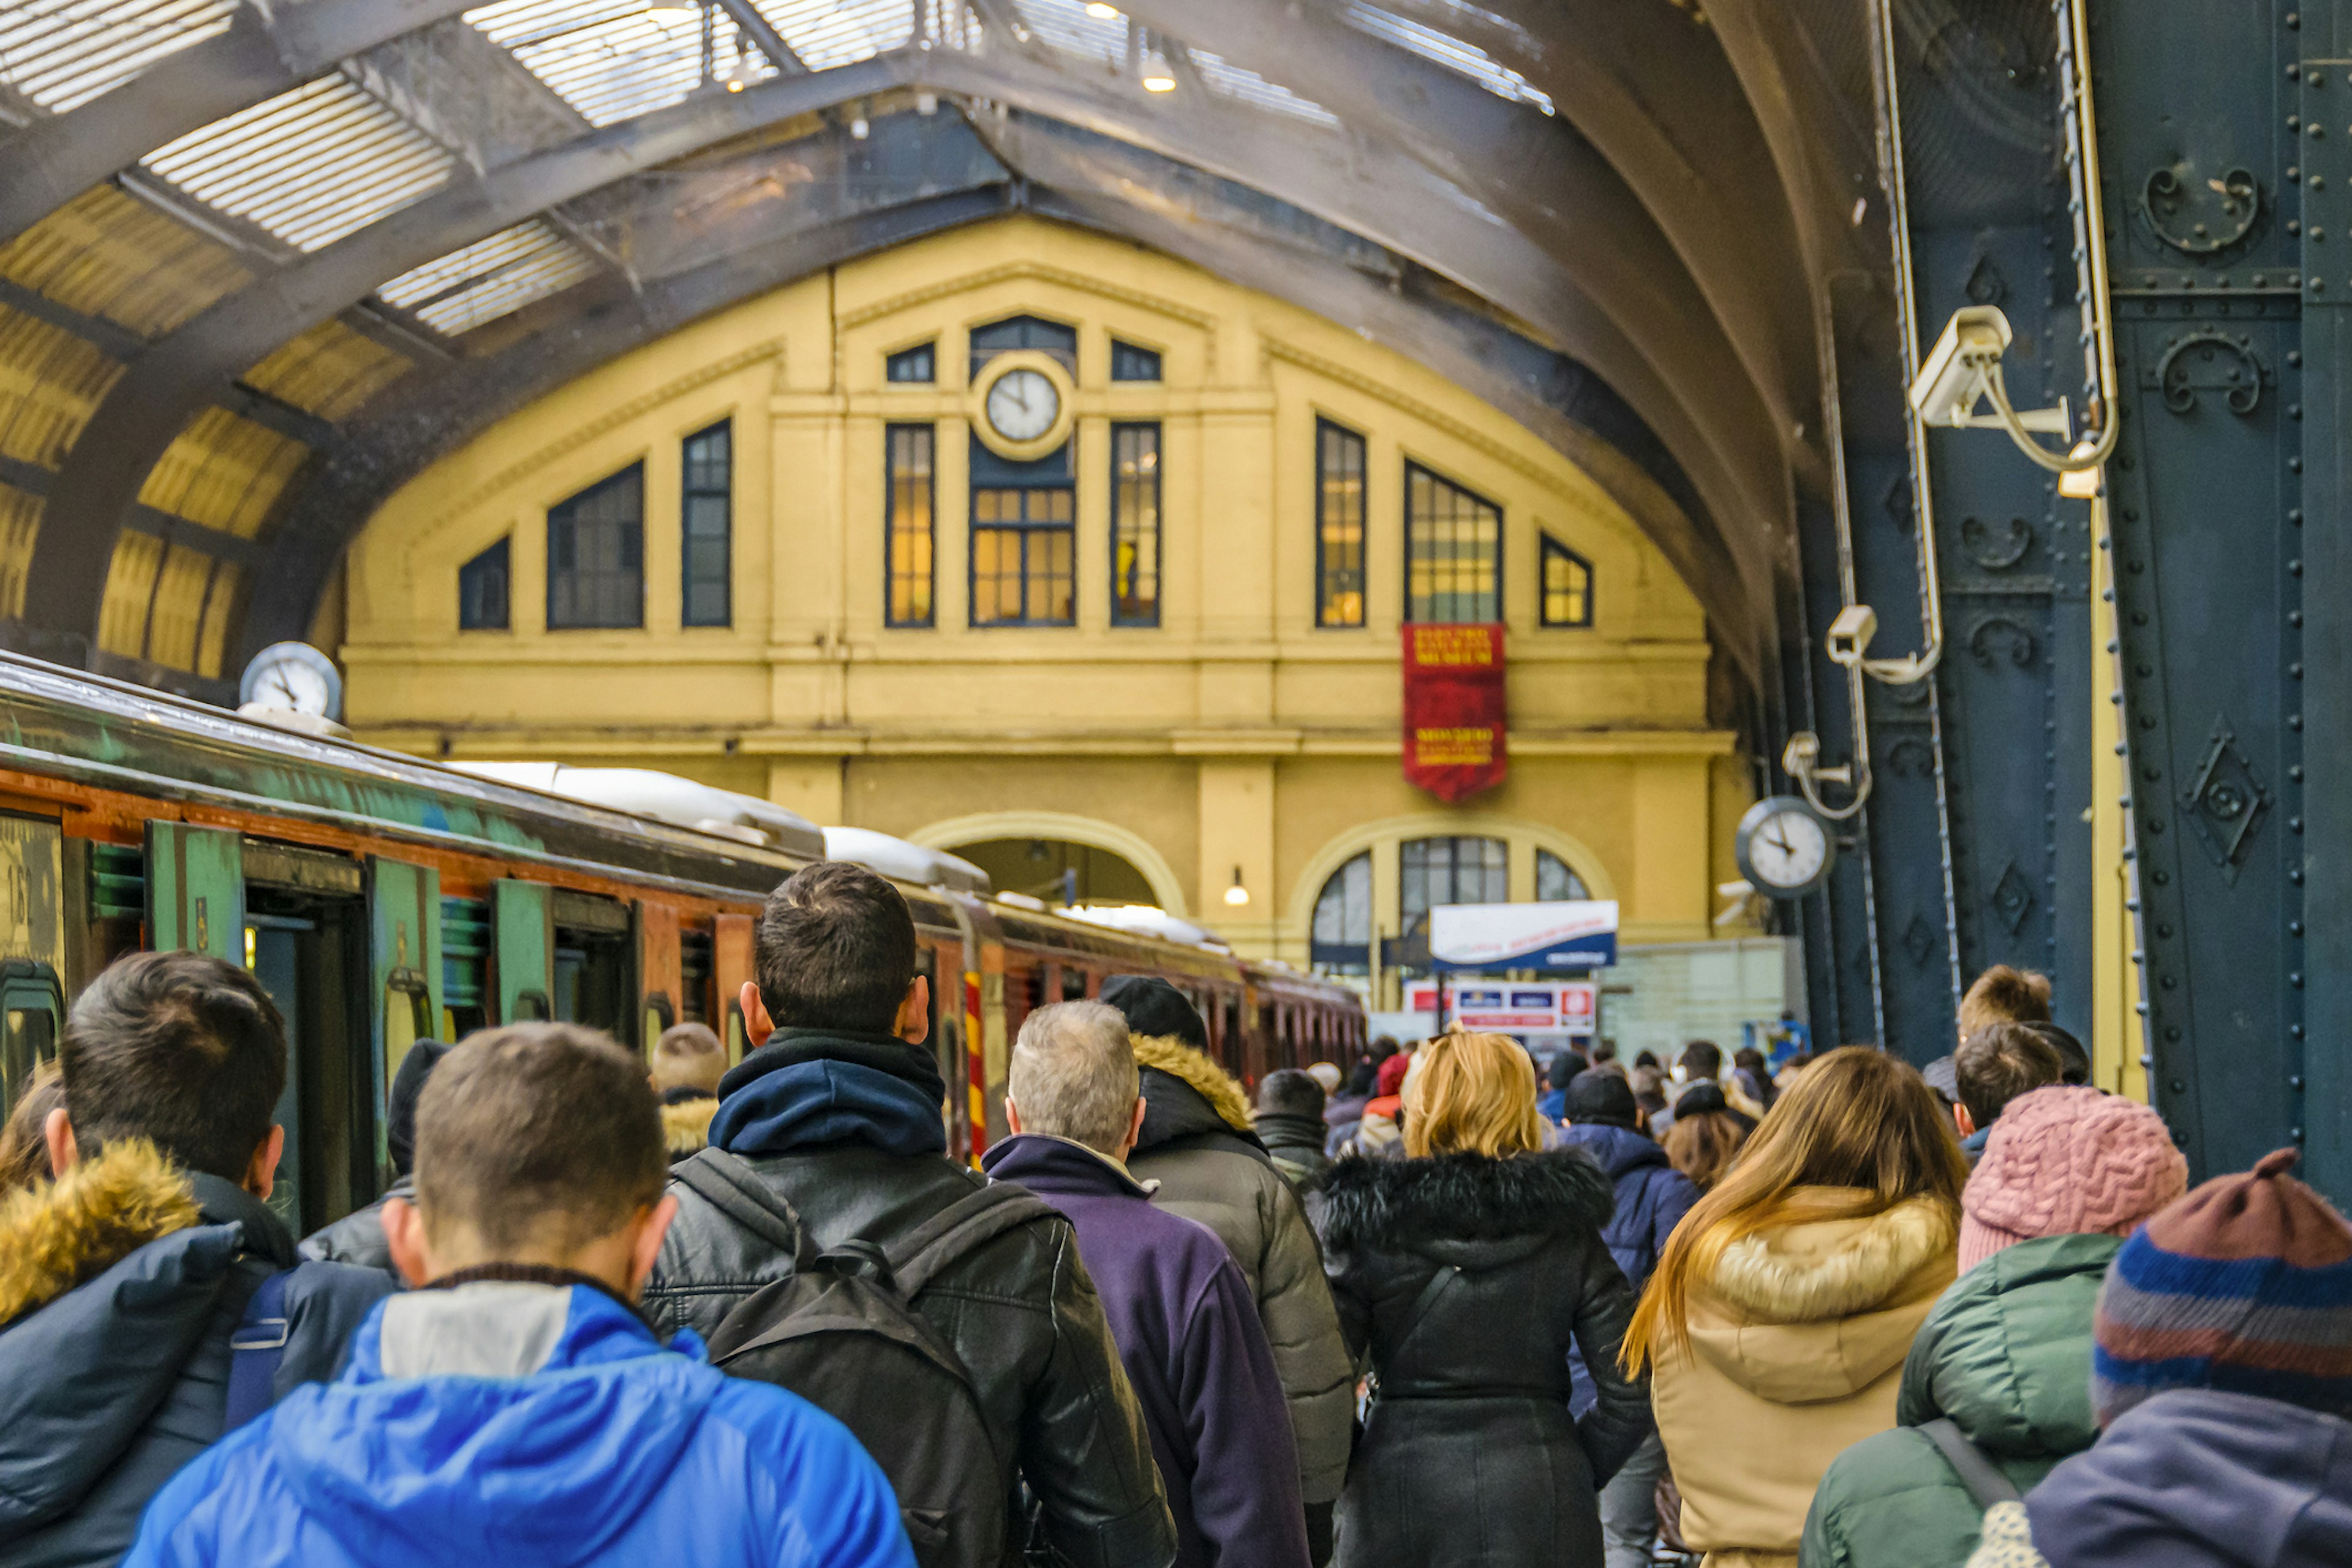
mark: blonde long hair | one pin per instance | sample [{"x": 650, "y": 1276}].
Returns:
[
  {"x": 1858, "y": 1118},
  {"x": 1471, "y": 1094}
]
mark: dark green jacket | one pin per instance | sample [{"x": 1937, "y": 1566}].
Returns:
[{"x": 2006, "y": 1355}]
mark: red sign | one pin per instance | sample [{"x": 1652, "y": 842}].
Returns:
[{"x": 1453, "y": 709}]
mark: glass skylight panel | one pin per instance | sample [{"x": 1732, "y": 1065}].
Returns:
[
  {"x": 490, "y": 277},
  {"x": 63, "y": 53},
  {"x": 1069, "y": 25},
  {"x": 309, "y": 166},
  {"x": 1072, "y": 27},
  {"x": 616, "y": 59},
  {"x": 1230, "y": 79},
  {"x": 827, "y": 33},
  {"x": 1450, "y": 52}
]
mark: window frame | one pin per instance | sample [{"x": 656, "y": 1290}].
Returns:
[
  {"x": 504, "y": 545},
  {"x": 635, "y": 470},
  {"x": 930, "y": 431},
  {"x": 1546, "y": 547},
  {"x": 1119, "y": 346},
  {"x": 687, "y": 492},
  {"x": 1453, "y": 841},
  {"x": 1158, "y": 520},
  {"x": 1323, "y": 598},
  {"x": 1026, "y": 530},
  {"x": 890, "y": 363},
  {"x": 1502, "y": 523}
]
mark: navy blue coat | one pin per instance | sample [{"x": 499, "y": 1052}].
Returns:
[
  {"x": 1652, "y": 1196},
  {"x": 1188, "y": 1332},
  {"x": 108, "y": 1389}
]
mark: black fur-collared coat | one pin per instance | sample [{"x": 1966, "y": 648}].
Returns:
[{"x": 1466, "y": 1279}]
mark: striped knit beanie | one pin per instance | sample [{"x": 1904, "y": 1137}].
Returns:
[
  {"x": 2068, "y": 1161},
  {"x": 2245, "y": 1285}
]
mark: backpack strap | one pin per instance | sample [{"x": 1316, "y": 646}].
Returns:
[
  {"x": 735, "y": 1190},
  {"x": 978, "y": 1218},
  {"x": 1978, "y": 1474},
  {"x": 1438, "y": 1285},
  {"x": 257, "y": 1348}
]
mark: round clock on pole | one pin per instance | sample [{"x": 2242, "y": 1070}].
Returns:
[{"x": 1783, "y": 847}]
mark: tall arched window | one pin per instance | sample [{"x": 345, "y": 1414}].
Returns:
[
  {"x": 1432, "y": 871},
  {"x": 1342, "y": 938},
  {"x": 1554, "y": 880}
]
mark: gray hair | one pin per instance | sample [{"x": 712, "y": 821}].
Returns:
[{"x": 1073, "y": 1074}]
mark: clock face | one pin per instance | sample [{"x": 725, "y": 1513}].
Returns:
[
  {"x": 1024, "y": 404},
  {"x": 293, "y": 676},
  {"x": 1785, "y": 847}
]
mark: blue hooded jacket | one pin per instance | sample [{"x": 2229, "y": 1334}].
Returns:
[
  {"x": 1652, "y": 1196},
  {"x": 511, "y": 1425}
]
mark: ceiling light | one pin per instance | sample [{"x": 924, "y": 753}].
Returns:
[
  {"x": 735, "y": 84},
  {"x": 1158, "y": 79},
  {"x": 858, "y": 128},
  {"x": 1102, "y": 13},
  {"x": 1237, "y": 895}
]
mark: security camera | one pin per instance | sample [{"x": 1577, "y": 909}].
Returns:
[
  {"x": 1950, "y": 383},
  {"x": 1851, "y": 633}
]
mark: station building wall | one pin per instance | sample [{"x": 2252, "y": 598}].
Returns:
[{"x": 1237, "y": 733}]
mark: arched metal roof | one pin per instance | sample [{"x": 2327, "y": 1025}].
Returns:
[{"x": 261, "y": 262}]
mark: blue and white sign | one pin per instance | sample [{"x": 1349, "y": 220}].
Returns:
[{"x": 1578, "y": 934}]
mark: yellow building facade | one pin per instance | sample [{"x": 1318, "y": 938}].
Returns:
[{"x": 1172, "y": 640}]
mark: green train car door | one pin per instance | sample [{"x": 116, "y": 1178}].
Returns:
[
  {"x": 404, "y": 971},
  {"x": 522, "y": 932}
]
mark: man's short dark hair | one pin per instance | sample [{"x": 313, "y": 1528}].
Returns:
[
  {"x": 180, "y": 1048},
  {"x": 1383, "y": 1049},
  {"x": 1290, "y": 1092},
  {"x": 1702, "y": 1058},
  {"x": 2069, "y": 1051},
  {"x": 1563, "y": 1067},
  {"x": 1599, "y": 1098},
  {"x": 542, "y": 1134},
  {"x": 835, "y": 950},
  {"x": 1999, "y": 1062}
]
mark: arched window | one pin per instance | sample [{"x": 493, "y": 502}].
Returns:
[
  {"x": 1432, "y": 871},
  {"x": 1342, "y": 938},
  {"x": 1555, "y": 881}
]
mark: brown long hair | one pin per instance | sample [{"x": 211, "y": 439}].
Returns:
[
  {"x": 1471, "y": 1094},
  {"x": 1859, "y": 1119},
  {"x": 1702, "y": 1144}
]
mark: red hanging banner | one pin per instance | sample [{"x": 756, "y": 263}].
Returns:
[{"x": 1453, "y": 709}]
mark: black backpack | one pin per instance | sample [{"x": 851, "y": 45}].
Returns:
[{"x": 843, "y": 1333}]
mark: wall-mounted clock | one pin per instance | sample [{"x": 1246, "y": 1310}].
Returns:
[
  {"x": 1783, "y": 847},
  {"x": 1023, "y": 405}
]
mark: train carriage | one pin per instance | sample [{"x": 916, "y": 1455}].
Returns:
[{"x": 383, "y": 900}]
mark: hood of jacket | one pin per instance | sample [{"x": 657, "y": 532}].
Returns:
[
  {"x": 1186, "y": 1095},
  {"x": 1474, "y": 1210},
  {"x": 807, "y": 1089},
  {"x": 1618, "y": 1151},
  {"x": 1821, "y": 1308},
  {"x": 1287, "y": 1130},
  {"x": 686, "y": 1125},
  {"x": 55, "y": 1236},
  {"x": 2201, "y": 1478},
  {"x": 2006, "y": 1352},
  {"x": 493, "y": 1420}
]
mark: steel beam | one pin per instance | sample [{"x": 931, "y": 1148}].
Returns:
[
  {"x": 267, "y": 50},
  {"x": 175, "y": 378},
  {"x": 763, "y": 35}
]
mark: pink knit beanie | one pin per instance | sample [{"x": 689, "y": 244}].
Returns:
[{"x": 2068, "y": 1161}]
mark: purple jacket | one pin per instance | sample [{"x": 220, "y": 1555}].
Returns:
[{"x": 1189, "y": 1334}]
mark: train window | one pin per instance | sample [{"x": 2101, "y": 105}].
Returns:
[
  {"x": 694, "y": 968},
  {"x": 1074, "y": 984},
  {"x": 908, "y": 535},
  {"x": 736, "y": 1041},
  {"x": 659, "y": 1016},
  {"x": 1135, "y": 525},
  {"x": 1454, "y": 551},
  {"x": 1554, "y": 880},
  {"x": 31, "y": 1005},
  {"x": 1566, "y": 592},
  {"x": 1338, "y": 526},
  {"x": 407, "y": 1014}
]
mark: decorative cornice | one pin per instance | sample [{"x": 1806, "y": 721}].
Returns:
[{"x": 1024, "y": 271}]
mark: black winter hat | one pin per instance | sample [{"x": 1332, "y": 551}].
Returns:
[
  {"x": 1155, "y": 1007},
  {"x": 1700, "y": 1099},
  {"x": 400, "y": 1116},
  {"x": 1601, "y": 1099}
]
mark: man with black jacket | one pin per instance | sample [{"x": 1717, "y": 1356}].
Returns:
[
  {"x": 124, "y": 1281},
  {"x": 839, "y": 1111}
]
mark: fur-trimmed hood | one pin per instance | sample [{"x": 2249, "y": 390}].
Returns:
[
  {"x": 1439, "y": 1205},
  {"x": 1807, "y": 1272},
  {"x": 1186, "y": 1093},
  {"x": 686, "y": 1126},
  {"x": 55, "y": 1236}
]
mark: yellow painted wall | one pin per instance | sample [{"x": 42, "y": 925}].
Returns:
[{"x": 1235, "y": 733}]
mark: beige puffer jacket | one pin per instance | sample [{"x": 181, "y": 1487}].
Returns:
[
  {"x": 1198, "y": 1146},
  {"x": 1796, "y": 1349}
]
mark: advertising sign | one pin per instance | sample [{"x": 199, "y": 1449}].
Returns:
[
  {"x": 1568, "y": 935},
  {"x": 1519, "y": 1008},
  {"x": 1453, "y": 720}
]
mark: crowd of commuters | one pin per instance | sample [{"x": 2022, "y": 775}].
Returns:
[{"x": 1456, "y": 1308}]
